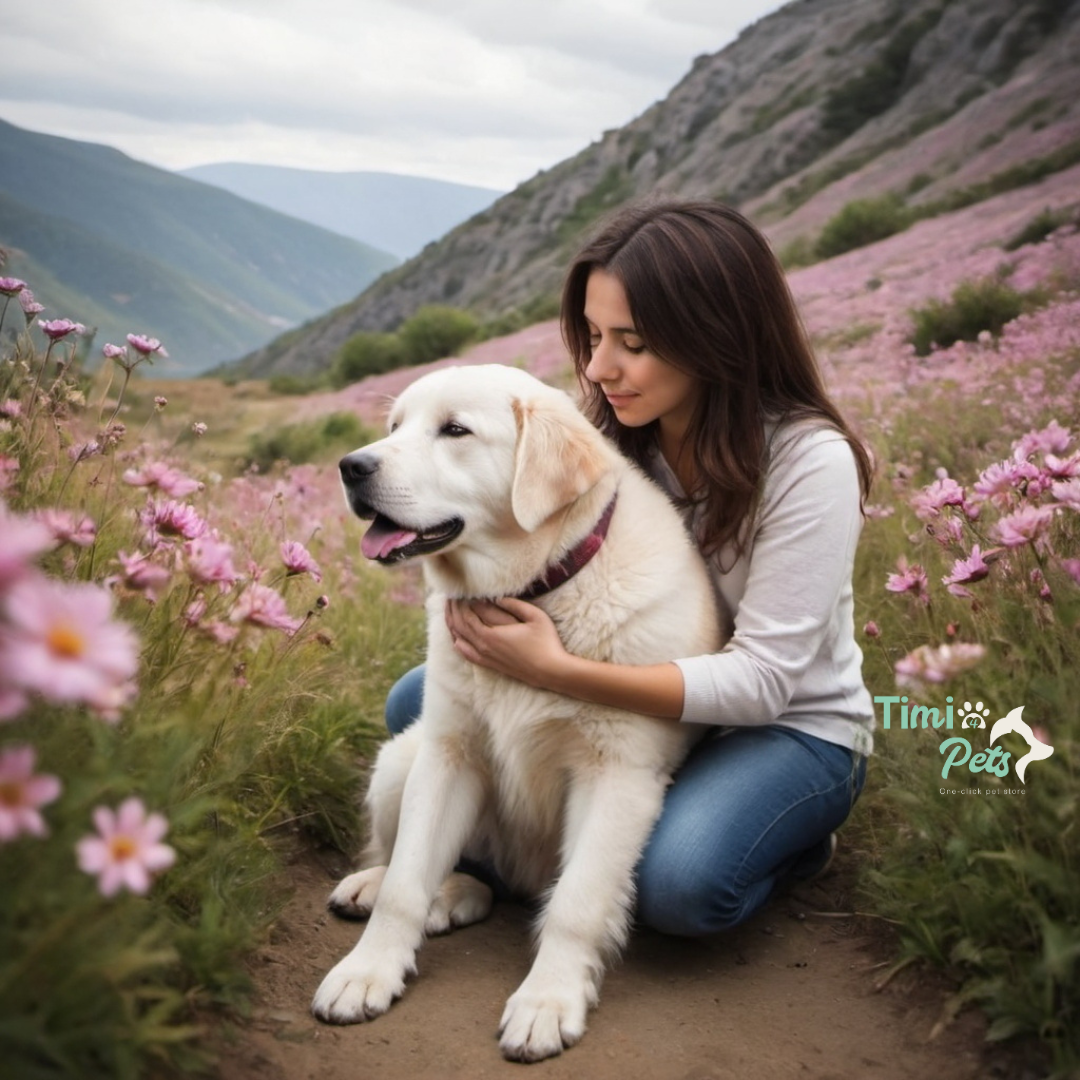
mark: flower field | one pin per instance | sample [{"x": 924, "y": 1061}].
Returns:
[
  {"x": 191, "y": 666},
  {"x": 193, "y": 657}
]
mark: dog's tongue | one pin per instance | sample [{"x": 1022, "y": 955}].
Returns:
[{"x": 383, "y": 537}]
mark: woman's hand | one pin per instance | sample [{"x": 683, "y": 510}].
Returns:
[{"x": 512, "y": 637}]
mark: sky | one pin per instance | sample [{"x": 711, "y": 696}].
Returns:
[{"x": 484, "y": 92}]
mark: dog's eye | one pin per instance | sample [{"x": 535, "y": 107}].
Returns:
[{"x": 453, "y": 430}]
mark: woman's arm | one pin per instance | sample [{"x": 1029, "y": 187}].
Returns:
[{"x": 518, "y": 639}]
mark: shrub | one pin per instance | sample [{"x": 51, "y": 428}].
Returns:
[
  {"x": 1040, "y": 227},
  {"x": 309, "y": 440},
  {"x": 290, "y": 385},
  {"x": 367, "y": 353},
  {"x": 975, "y": 306},
  {"x": 862, "y": 222},
  {"x": 435, "y": 331}
]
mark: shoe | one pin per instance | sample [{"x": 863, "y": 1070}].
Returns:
[{"x": 823, "y": 869}]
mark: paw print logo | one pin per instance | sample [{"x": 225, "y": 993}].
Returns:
[{"x": 973, "y": 716}]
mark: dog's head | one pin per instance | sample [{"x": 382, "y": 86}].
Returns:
[{"x": 472, "y": 453}]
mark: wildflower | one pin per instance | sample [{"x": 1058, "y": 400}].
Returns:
[
  {"x": 1062, "y": 468},
  {"x": 171, "y": 520},
  {"x": 127, "y": 850},
  {"x": 1067, "y": 492},
  {"x": 160, "y": 402},
  {"x": 199, "y": 429},
  {"x": 66, "y": 528},
  {"x": 910, "y": 579},
  {"x": 10, "y": 286},
  {"x": 142, "y": 575},
  {"x": 872, "y": 630},
  {"x": 55, "y": 329},
  {"x": 9, "y": 466},
  {"x": 998, "y": 482},
  {"x": 12, "y": 408},
  {"x": 209, "y": 561},
  {"x": 61, "y": 642},
  {"x": 1072, "y": 568},
  {"x": 262, "y": 606},
  {"x": 1052, "y": 439},
  {"x": 114, "y": 352},
  {"x": 84, "y": 451},
  {"x": 146, "y": 346},
  {"x": 112, "y": 435},
  {"x": 164, "y": 477},
  {"x": 298, "y": 560},
  {"x": 929, "y": 502},
  {"x": 30, "y": 307},
  {"x": 22, "y": 793},
  {"x": 24, "y": 540},
  {"x": 1028, "y": 525},
  {"x": 928, "y": 664},
  {"x": 966, "y": 571}
]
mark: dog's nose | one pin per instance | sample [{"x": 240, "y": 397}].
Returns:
[{"x": 357, "y": 466}]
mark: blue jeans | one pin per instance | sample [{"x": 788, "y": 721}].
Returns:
[{"x": 749, "y": 808}]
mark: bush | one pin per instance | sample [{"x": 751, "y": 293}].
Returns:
[
  {"x": 975, "y": 306},
  {"x": 367, "y": 353},
  {"x": 862, "y": 222},
  {"x": 435, "y": 331},
  {"x": 292, "y": 385},
  {"x": 309, "y": 440},
  {"x": 1040, "y": 227}
]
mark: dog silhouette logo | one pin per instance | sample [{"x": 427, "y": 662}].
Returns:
[{"x": 1014, "y": 722}]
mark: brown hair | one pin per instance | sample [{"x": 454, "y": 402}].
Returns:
[{"x": 709, "y": 298}]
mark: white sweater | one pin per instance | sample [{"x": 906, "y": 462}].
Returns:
[{"x": 787, "y": 600}]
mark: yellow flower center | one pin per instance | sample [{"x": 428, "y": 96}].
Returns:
[
  {"x": 122, "y": 847},
  {"x": 66, "y": 641}
]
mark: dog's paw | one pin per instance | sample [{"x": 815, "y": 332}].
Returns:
[
  {"x": 462, "y": 901},
  {"x": 354, "y": 991},
  {"x": 537, "y": 1025},
  {"x": 355, "y": 895}
]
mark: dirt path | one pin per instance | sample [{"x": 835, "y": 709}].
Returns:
[{"x": 789, "y": 995}]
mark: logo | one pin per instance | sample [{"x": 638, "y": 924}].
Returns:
[{"x": 957, "y": 750}]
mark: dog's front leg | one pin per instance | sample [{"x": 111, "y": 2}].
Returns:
[
  {"x": 609, "y": 817},
  {"x": 439, "y": 812}
]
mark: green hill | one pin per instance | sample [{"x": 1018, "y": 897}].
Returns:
[{"x": 123, "y": 246}]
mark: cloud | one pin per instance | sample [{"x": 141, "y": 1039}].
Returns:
[{"x": 468, "y": 88}]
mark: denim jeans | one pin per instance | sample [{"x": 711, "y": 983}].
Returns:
[{"x": 749, "y": 808}]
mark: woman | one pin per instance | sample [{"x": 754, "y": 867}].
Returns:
[{"x": 693, "y": 359}]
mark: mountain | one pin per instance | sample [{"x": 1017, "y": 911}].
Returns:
[
  {"x": 931, "y": 102},
  {"x": 122, "y": 246},
  {"x": 399, "y": 214}
]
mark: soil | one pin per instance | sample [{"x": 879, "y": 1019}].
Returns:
[{"x": 794, "y": 993}]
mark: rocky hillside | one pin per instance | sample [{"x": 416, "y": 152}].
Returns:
[{"x": 818, "y": 104}]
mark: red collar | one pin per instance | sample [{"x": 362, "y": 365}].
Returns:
[{"x": 574, "y": 560}]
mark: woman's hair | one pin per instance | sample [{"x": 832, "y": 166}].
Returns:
[{"x": 709, "y": 298}]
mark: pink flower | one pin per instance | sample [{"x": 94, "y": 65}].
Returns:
[
  {"x": 23, "y": 540},
  {"x": 164, "y": 477},
  {"x": 1072, "y": 568},
  {"x": 55, "y": 329},
  {"x": 160, "y": 402},
  {"x": 147, "y": 346},
  {"x": 127, "y": 850},
  {"x": 61, "y": 642},
  {"x": 966, "y": 571},
  {"x": 199, "y": 429},
  {"x": 929, "y": 502},
  {"x": 928, "y": 664},
  {"x": 998, "y": 482},
  {"x": 11, "y": 286},
  {"x": 22, "y": 793},
  {"x": 30, "y": 307},
  {"x": 262, "y": 606},
  {"x": 171, "y": 520},
  {"x": 12, "y": 408},
  {"x": 1052, "y": 439},
  {"x": 298, "y": 560},
  {"x": 1067, "y": 492},
  {"x": 209, "y": 561},
  {"x": 142, "y": 575},
  {"x": 872, "y": 630},
  {"x": 114, "y": 352},
  {"x": 1062, "y": 468},
  {"x": 910, "y": 579},
  {"x": 1028, "y": 525},
  {"x": 66, "y": 529}
]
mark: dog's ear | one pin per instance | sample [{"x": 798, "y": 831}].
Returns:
[{"x": 559, "y": 458}]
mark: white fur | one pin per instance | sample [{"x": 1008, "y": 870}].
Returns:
[{"x": 560, "y": 795}]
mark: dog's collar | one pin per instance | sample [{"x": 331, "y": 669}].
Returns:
[{"x": 574, "y": 560}]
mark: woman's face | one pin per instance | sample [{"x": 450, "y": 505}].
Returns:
[{"x": 639, "y": 386}]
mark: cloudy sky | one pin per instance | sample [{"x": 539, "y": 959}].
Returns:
[{"x": 485, "y": 92}]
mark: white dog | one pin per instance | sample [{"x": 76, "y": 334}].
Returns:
[{"x": 507, "y": 490}]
